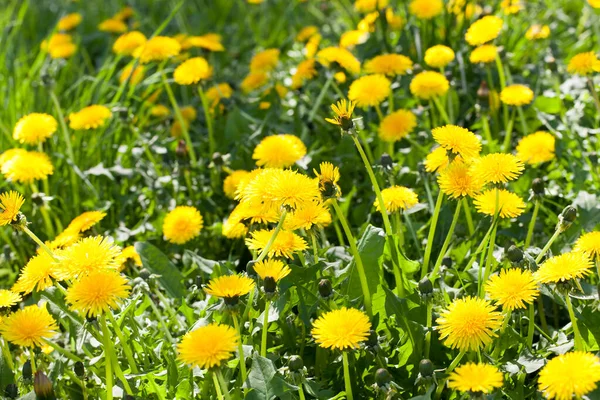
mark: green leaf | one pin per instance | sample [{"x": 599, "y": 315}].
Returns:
[
  {"x": 6, "y": 375},
  {"x": 426, "y": 396},
  {"x": 370, "y": 247},
  {"x": 157, "y": 263},
  {"x": 549, "y": 105},
  {"x": 264, "y": 381}
]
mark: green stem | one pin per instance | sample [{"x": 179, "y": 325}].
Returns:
[
  {"x": 107, "y": 359},
  {"x": 223, "y": 384},
  {"x": 468, "y": 216},
  {"x": 453, "y": 365},
  {"x": 7, "y": 355},
  {"x": 524, "y": 126},
  {"x": 179, "y": 116},
  {"x": 217, "y": 385},
  {"x": 530, "y": 328},
  {"x": 578, "y": 338},
  {"x": 238, "y": 328},
  {"x": 301, "y": 392},
  {"x": 39, "y": 242},
  {"x": 431, "y": 235},
  {"x": 124, "y": 344},
  {"x": 429, "y": 323},
  {"x": 488, "y": 262},
  {"x": 313, "y": 239},
  {"x": 265, "y": 251},
  {"x": 347, "y": 380},
  {"x": 536, "y": 208},
  {"x": 209, "y": 122},
  {"x": 508, "y": 134},
  {"x": 446, "y": 244},
  {"x": 547, "y": 246},
  {"x": 594, "y": 92},
  {"x": 263, "y": 342},
  {"x": 63, "y": 351},
  {"x": 441, "y": 109},
  {"x": 399, "y": 228}
]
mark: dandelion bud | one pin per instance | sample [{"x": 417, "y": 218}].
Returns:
[
  {"x": 11, "y": 391},
  {"x": 295, "y": 363},
  {"x": 325, "y": 288},
  {"x": 217, "y": 159},
  {"x": 483, "y": 93},
  {"x": 79, "y": 369},
  {"x": 514, "y": 254},
  {"x": 250, "y": 269},
  {"x": 447, "y": 262},
  {"x": 42, "y": 386},
  {"x": 382, "y": 377},
  {"x": 538, "y": 187},
  {"x": 144, "y": 274},
  {"x": 425, "y": 287},
  {"x": 386, "y": 161},
  {"x": 426, "y": 367},
  {"x": 182, "y": 149},
  {"x": 231, "y": 301},
  {"x": 27, "y": 371},
  {"x": 566, "y": 218},
  {"x": 270, "y": 285}
]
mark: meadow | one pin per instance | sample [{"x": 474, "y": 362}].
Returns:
[{"x": 299, "y": 199}]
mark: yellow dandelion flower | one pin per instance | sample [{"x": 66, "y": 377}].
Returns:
[
  {"x": 457, "y": 140},
  {"x": 366, "y": 6},
  {"x": 367, "y": 24},
  {"x": 64, "y": 239},
  {"x": 536, "y": 32},
  {"x": 253, "y": 81},
  {"x": 313, "y": 45},
  {"x": 113, "y": 26},
  {"x": 218, "y": 92},
  {"x": 69, "y": 22},
  {"x": 426, "y": 9},
  {"x": 55, "y": 40},
  {"x": 10, "y": 204},
  {"x": 594, "y": 3},
  {"x": 370, "y": 90},
  {"x": 85, "y": 221},
  {"x": 9, "y": 154},
  {"x": 512, "y": 288},
  {"x": 134, "y": 76},
  {"x": 264, "y": 105},
  {"x": 233, "y": 229},
  {"x": 192, "y": 71},
  {"x": 584, "y": 63},
  {"x": 516, "y": 95},
  {"x": 130, "y": 253},
  {"x": 279, "y": 151},
  {"x": 510, "y": 7},
  {"x": 328, "y": 176},
  {"x": 285, "y": 245},
  {"x": 97, "y": 292},
  {"x": 87, "y": 255},
  {"x": 304, "y": 72},
  {"x": 429, "y": 84},
  {"x": 397, "y": 125},
  {"x": 564, "y": 267},
  {"x": 229, "y": 286},
  {"x": 230, "y": 184},
  {"x": 209, "y": 41},
  {"x": 342, "y": 111},
  {"x": 160, "y": 111},
  {"x": 128, "y": 42},
  {"x": 255, "y": 213},
  {"x": 570, "y": 375},
  {"x": 182, "y": 224},
  {"x": 589, "y": 243},
  {"x": 65, "y": 50},
  {"x": 208, "y": 346},
  {"x": 352, "y": 38},
  {"x": 341, "y": 329},
  {"x": 457, "y": 180},
  {"x": 484, "y": 30},
  {"x": 125, "y": 13},
  {"x": 394, "y": 21},
  {"x": 484, "y": 54},
  {"x": 272, "y": 268},
  {"x": 397, "y": 198},
  {"x": 158, "y": 48},
  {"x": 36, "y": 275},
  {"x": 508, "y": 204},
  {"x": 29, "y": 327},
  {"x": 339, "y": 56},
  {"x": 306, "y": 33},
  {"x": 536, "y": 148},
  {"x": 437, "y": 160},
  {"x": 176, "y": 129},
  {"x": 475, "y": 378},
  {"x": 188, "y": 113},
  {"x": 27, "y": 166},
  {"x": 8, "y": 298},
  {"x": 389, "y": 64},
  {"x": 311, "y": 214},
  {"x": 469, "y": 324},
  {"x": 265, "y": 60},
  {"x": 439, "y": 56},
  {"x": 90, "y": 117},
  {"x": 497, "y": 168},
  {"x": 339, "y": 77}
]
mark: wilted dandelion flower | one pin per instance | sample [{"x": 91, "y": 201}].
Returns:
[
  {"x": 468, "y": 324},
  {"x": 36, "y": 275},
  {"x": 512, "y": 288},
  {"x": 370, "y": 90},
  {"x": 10, "y": 204},
  {"x": 69, "y": 21},
  {"x": 457, "y": 180},
  {"x": 97, "y": 292},
  {"x": 589, "y": 243},
  {"x": 508, "y": 204},
  {"x": 158, "y": 48},
  {"x": 34, "y": 128},
  {"x": 584, "y": 63},
  {"x": 459, "y": 141},
  {"x": 366, "y": 6},
  {"x": 342, "y": 111},
  {"x": 536, "y": 148},
  {"x": 328, "y": 176},
  {"x": 341, "y": 329},
  {"x": 389, "y": 64},
  {"x": 113, "y": 25},
  {"x": 426, "y": 9},
  {"x": 304, "y": 72},
  {"x": 285, "y": 245},
  {"x": 397, "y": 198},
  {"x": 439, "y": 56},
  {"x": 340, "y": 56},
  {"x": 307, "y": 216},
  {"x": 253, "y": 81},
  {"x": 231, "y": 182},
  {"x": 8, "y": 298},
  {"x": 229, "y": 287},
  {"x": 208, "y": 346},
  {"x": 306, "y": 33},
  {"x": 29, "y": 327},
  {"x": 484, "y": 54},
  {"x": 27, "y": 166},
  {"x": 537, "y": 31},
  {"x": 135, "y": 76},
  {"x": 516, "y": 95},
  {"x": 90, "y": 117},
  {"x": 89, "y": 254},
  {"x": 475, "y": 378},
  {"x": 497, "y": 168},
  {"x": 564, "y": 267},
  {"x": 397, "y": 125},
  {"x": 272, "y": 268},
  {"x": 437, "y": 160},
  {"x": 484, "y": 30},
  {"x": 570, "y": 375},
  {"x": 429, "y": 84},
  {"x": 265, "y": 60},
  {"x": 192, "y": 71},
  {"x": 182, "y": 224},
  {"x": 279, "y": 151},
  {"x": 128, "y": 42}
]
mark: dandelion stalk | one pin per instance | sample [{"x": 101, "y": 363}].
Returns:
[
  {"x": 488, "y": 262},
  {"x": 468, "y": 216},
  {"x": 209, "y": 122},
  {"x": 431, "y": 234},
  {"x": 450, "y": 368},
  {"x": 347, "y": 381},
  {"x": 530, "y": 327},
  {"x": 536, "y": 209},
  {"x": 7, "y": 355},
  {"x": 223, "y": 383},
  {"x": 38, "y": 241},
  {"x": 263, "y": 342},
  {"x": 576, "y": 333},
  {"x": 107, "y": 358},
  {"x": 446, "y": 244},
  {"x": 429, "y": 323},
  {"x": 547, "y": 246},
  {"x": 265, "y": 251},
  {"x": 237, "y": 326},
  {"x": 594, "y": 93},
  {"x": 441, "y": 110},
  {"x": 217, "y": 385},
  {"x": 126, "y": 348},
  {"x": 508, "y": 135},
  {"x": 524, "y": 126}
]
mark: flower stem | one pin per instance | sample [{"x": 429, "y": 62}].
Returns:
[
  {"x": 429, "y": 322},
  {"x": 180, "y": 119},
  {"x": 313, "y": 239},
  {"x": 450, "y": 368},
  {"x": 576, "y": 333},
  {"x": 265, "y": 251},
  {"x": 441, "y": 109},
  {"x": 107, "y": 359},
  {"x": 209, "y": 122},
  {"x": 530, "y": 328},
  {"x": 440, "y": 258},
  {"x": 124, "y": 344},
  {"x": 431, "y": 235},
  {"x": 468, "y": 216},
  {"x": 594, "y": 92},
  {"x": 488, "y": 262},
  {"x": 508, "y": 134},
  {"x": 32, "y": 360},
  {"x": 217, "y": 385},
  {"x": 237, "y": 326},
  {"x": 524, "y": 126},
  {"x": 536, "y": 208},
  {"x": 223, "y": 384},
  {"x": 7, "y": 355},
  {"x": 347, "y": 380},
  {"x": 39, "y": 242},
  {"x": 263, "y": 342},
  {"x": 547, "y": 246}
]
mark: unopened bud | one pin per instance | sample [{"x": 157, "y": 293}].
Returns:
[
  {"x": 295, "y": 363},
  {"x": 79, "y": 369},
  {"x": 11, "y": 391},
  {"x": 325, "y": 288},
  {"x": 425, "y": 287},
  {"x": 217, "y": 159},
  {"x": 514, "y": 254},
  {"x": 382, "y": 377},
  {"x": 483, "y": 93},
  {"x": 42, "y": 386},
  {"x": 566, "y": 218},
  {"x": 27, "y": 371},
  {"x": 447, "y": 262},
  {"x": 144, "y": 274},
  {"x": 426, "y": 367},
  {"x": 538, "y": 187},
  {"x": 270, "y": 285},
  {"x": 386, "y": 161}
]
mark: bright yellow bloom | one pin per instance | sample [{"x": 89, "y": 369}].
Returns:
[
  {"x": 182, "y": 224},
  {"x": 340, "y": 77},
  {"x": 328, "y": 176},
  {"x": 395, "y": 22},
  {"x": 389, "y": 64},
  {"x": 457, "y": 180},
  {"x": 426, "y": 9},
  {"x": 113, "y": 26},
  {"x": 370, "y": 90},
  {"x": 27, "y": 166},
  {"x": 36, "y": 275},
  {"x": 352, "y": 38},
  {"x": 457, "y": 140},
  {"x": 475, "y": 378},
  {"x": 10, "y": 203},
  {"x": 508, "y": 204},
  {"x": 208, "y": 346},
  {"x": 229, "y": 286},
  {"x": 88, "y": 255},
  {"x": 469, "y": 324},
  {"x": 304, "y": 72},
  {"x": 429, "y": 84},
  {"x": 537, "y": 31},
  {"x": 265, "y": 60},
  {"x": 65, "y": 239},
  {"x": 564, "y": 267},
  {"x": 512, "y": 288},
  {"x": 589, "y": 243},
  {"x": 536, "y": 148},
  {"x": 85, "y": 221},
  {"x": 484, "y": 30},
  {"x": 584, "y": 63},
  {"x": 230, "y": 184},
  {"x": 233, "y": 229},
  {"x": 128, "y": 42},
  {"x": 367, "y": 6},
  {"x": 311, "y": 214},
  {"x": 218, "y": 92},
  {"x": 497, "y": 168},
  {"x": 209, "y": 41},
  {"x": 65, "y": 50},
  {"x": 439, "y": 56},
  {"x": 511, "y": 6},
  {"x": 437, "y": 160},
  {"x": 397, "y": 125},
  {"x": 341, "y": 329},
  {"x": 516, "y": 95},
  {"x": 90, "y": 117},
  {"x": 253, "y": 81},
  {"x": 342, "y": 111},
  {"x": 130, "y": 253},
  {"x": 397, "y": 198},
  {"x": 135, "y": 76},
  {"x": 97, "y": 292},
  {"x": 125, "y": 13},
  {"x": 342, "y": 57},
  {"x": 570, "y": 375},
  {"x": 192, "y": 71},
  {"x": 594, "y": 3},
  {"x": 29, "y": 327},
  {"x": 279, "y": 151},
  {"x": 285, "y": 245},
  {"x": 313, "y": 45},
  {"x": 69, "y": 21},
  {"x": 272, "y": 268},
  {"x": 8, "y": 298},
  {"x": 158, "y": 48},
  {"x": 484, "y": 54},
  {"x": 160, "y": 111},
  {"x": 306, "y": 33}
]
